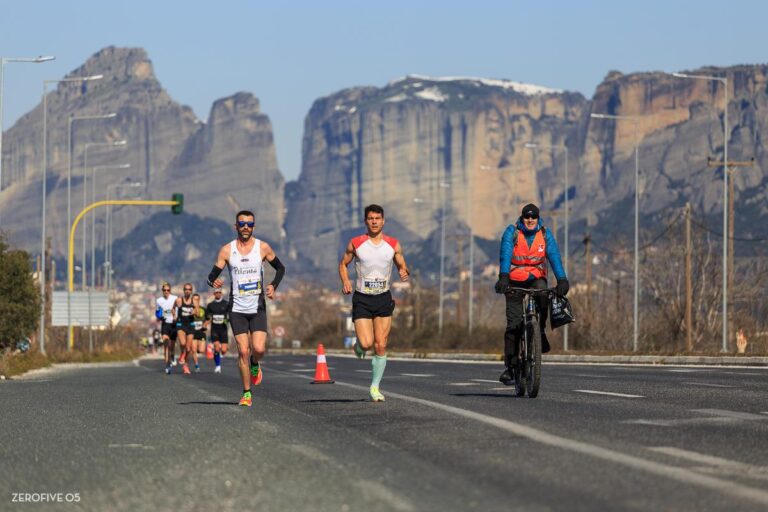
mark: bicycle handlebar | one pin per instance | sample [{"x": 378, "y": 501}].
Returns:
[{"x": 530, "y": 290}]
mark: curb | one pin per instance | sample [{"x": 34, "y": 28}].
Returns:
[{"x": 648, "y": 360}]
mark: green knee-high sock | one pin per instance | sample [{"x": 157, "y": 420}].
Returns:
[{"x": 378, "y": 363}]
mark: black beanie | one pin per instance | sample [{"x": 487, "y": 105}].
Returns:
[{"x": 530, "y": 208}]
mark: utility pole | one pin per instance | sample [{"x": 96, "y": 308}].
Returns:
[
  {"x": 460, "y": 249},
  {"x": 732, "y": 167},
  {"x": 688, "y": 281},
  {"x": 587, "y": 244}
]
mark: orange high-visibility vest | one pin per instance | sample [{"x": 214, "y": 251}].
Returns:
[{"x": 529, "y": 260}]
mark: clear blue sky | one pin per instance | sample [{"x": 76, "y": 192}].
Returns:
[{"x": 288, "y": 53}]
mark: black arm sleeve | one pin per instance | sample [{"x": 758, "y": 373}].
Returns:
[
  {"x": 279, "y": 271},
  {"x": 215, "y": 271}
]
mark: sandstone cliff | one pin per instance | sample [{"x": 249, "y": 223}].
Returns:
[
  {"x": 407, "y": 144},
  {"x": 221, "y": 165}
]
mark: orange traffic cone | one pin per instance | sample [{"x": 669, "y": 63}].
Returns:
[{"x": 321, "y": 370}]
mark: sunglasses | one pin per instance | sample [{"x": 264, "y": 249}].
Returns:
[
  {"x": 187, "y": 289},
  {"x": 242, "y": 224},
  {"x": 530, "y": 216},
  {"x": 166, "y": 289}
]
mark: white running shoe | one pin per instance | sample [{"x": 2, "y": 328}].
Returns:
[
  {"x": 217, "y": 369},
  {"x": 173, "y": 363}
]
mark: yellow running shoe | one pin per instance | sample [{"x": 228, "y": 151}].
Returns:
[
  {"x": 376, "y": 396},
  {"x": 246, "y": 400}
]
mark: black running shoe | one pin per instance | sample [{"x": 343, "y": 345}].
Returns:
[{"x": 507, "y": 377}]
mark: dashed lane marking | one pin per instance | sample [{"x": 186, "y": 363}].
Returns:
[
  {"x": 462, "y": 384},
  {"x": 485, "y": 380},
  {"x": 608, "y": 393},
  {"x": 708, "y": 385},
  {"x": 418, "y": 374}
]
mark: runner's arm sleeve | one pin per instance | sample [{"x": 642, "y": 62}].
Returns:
[
  {"x": 279, "y": 271},
  {"x": 215, "y": 271},
  {"x": 505, "y": 252}
]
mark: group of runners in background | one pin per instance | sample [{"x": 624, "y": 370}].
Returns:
[{"x": 184, "y": 320}]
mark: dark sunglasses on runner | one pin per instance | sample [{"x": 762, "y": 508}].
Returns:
[
  {"x": 166, "y": 289},
  {"x": 530, "y": 216},
  {"x": 242, "y": 224},
  {"x": 187, "y": 289}
]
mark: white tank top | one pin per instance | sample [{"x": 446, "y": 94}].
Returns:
[
  {"x": 245, "y": 276},
  {"x": 167, "y": 306},
  {"x": 373, "y": 264}
]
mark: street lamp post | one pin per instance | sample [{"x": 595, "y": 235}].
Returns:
[
  {"x": 3, "y": 61},
  {"x": 535, "y": 146},
  {"x": 43, "y": 173},
  {"x": 93, "y": 245},
  {"x": 724, "y": 81},
  {"x": 443, "y": 186},
  {"x": 85, "y": 194},
  {"x": 108, "y": 249},
  {"x": 635, "y": 315},
  {"x": 69, "y": 157}
]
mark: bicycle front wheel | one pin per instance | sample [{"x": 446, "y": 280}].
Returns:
[{"x": 533, "y": 358}]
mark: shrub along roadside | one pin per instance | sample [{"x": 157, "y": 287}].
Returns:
[{"x": 119, "y": 344}]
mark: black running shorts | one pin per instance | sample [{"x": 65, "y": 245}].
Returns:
[
  {"x": 219, "y": 333},
  {"x": 185, "y": 324},
  {"x": 244, "y": 323},
  {"x": 168, "y": 330},
  {"x": 372, "y": 306}
]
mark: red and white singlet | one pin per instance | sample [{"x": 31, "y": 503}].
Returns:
[{"x": 373, "y": 264}]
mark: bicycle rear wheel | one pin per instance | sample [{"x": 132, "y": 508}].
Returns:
[{"x": 533, "y": 358}]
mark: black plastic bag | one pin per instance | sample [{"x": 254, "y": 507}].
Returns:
[{"x": 560, "y": 312}]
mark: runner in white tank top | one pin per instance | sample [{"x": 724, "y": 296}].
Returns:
[
  {"x": 245, "y": 277},
  {"x": 248, "y": 318},
  {"x": 372, "y": 303}
]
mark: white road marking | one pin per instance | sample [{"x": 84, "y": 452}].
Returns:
[
  {"x": 364, "y": 371},
  {"x": 536, "y": 434},
  {"x": 310, "y": 452},
  {"x": 467, "y": 384},
  {"x": 590, "y": 376},
  {"x": 684, "y": 422},
  {"x": 680, "y": 370},
  {"x": 485, "y": 380},
  {"x": 708, "y": 385},
  {"x": 716, "y": 465},
  {"x": 304, "y": 370},
  {"x": 377, "y": 490},
  {"x": 131, "y": 445},
  {"x": 699, "y": 458},
  {"x": 593, "y": 392},
  {"x": 732, "y": 414},
  {"x": 418, "y": 374}
]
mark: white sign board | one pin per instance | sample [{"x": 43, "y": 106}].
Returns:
[{"x": 87, "y": 308}]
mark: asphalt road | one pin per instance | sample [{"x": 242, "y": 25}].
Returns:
[{"x": 448, "y": 438}]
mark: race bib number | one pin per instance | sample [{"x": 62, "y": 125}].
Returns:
[
  {"x": 248, "y": 286},
  {"x": 218, "y": 319},
  {"x": 198, "y": 324},
  {"x": 374, "y": 286}
]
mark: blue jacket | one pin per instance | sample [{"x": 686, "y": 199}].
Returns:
[{"x": 508, "y": 244}]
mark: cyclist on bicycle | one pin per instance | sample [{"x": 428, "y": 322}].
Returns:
[{"x": 524, "y": 247}]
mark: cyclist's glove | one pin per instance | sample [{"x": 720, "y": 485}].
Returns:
[
  {"x": 503, "y": 283},
  {"x": 562, "y": 287}
]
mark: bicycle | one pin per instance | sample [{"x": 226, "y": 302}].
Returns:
[{"x": 527, "y": 368}]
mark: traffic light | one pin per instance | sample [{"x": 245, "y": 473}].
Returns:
[{"x": 179, "y": 206}]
